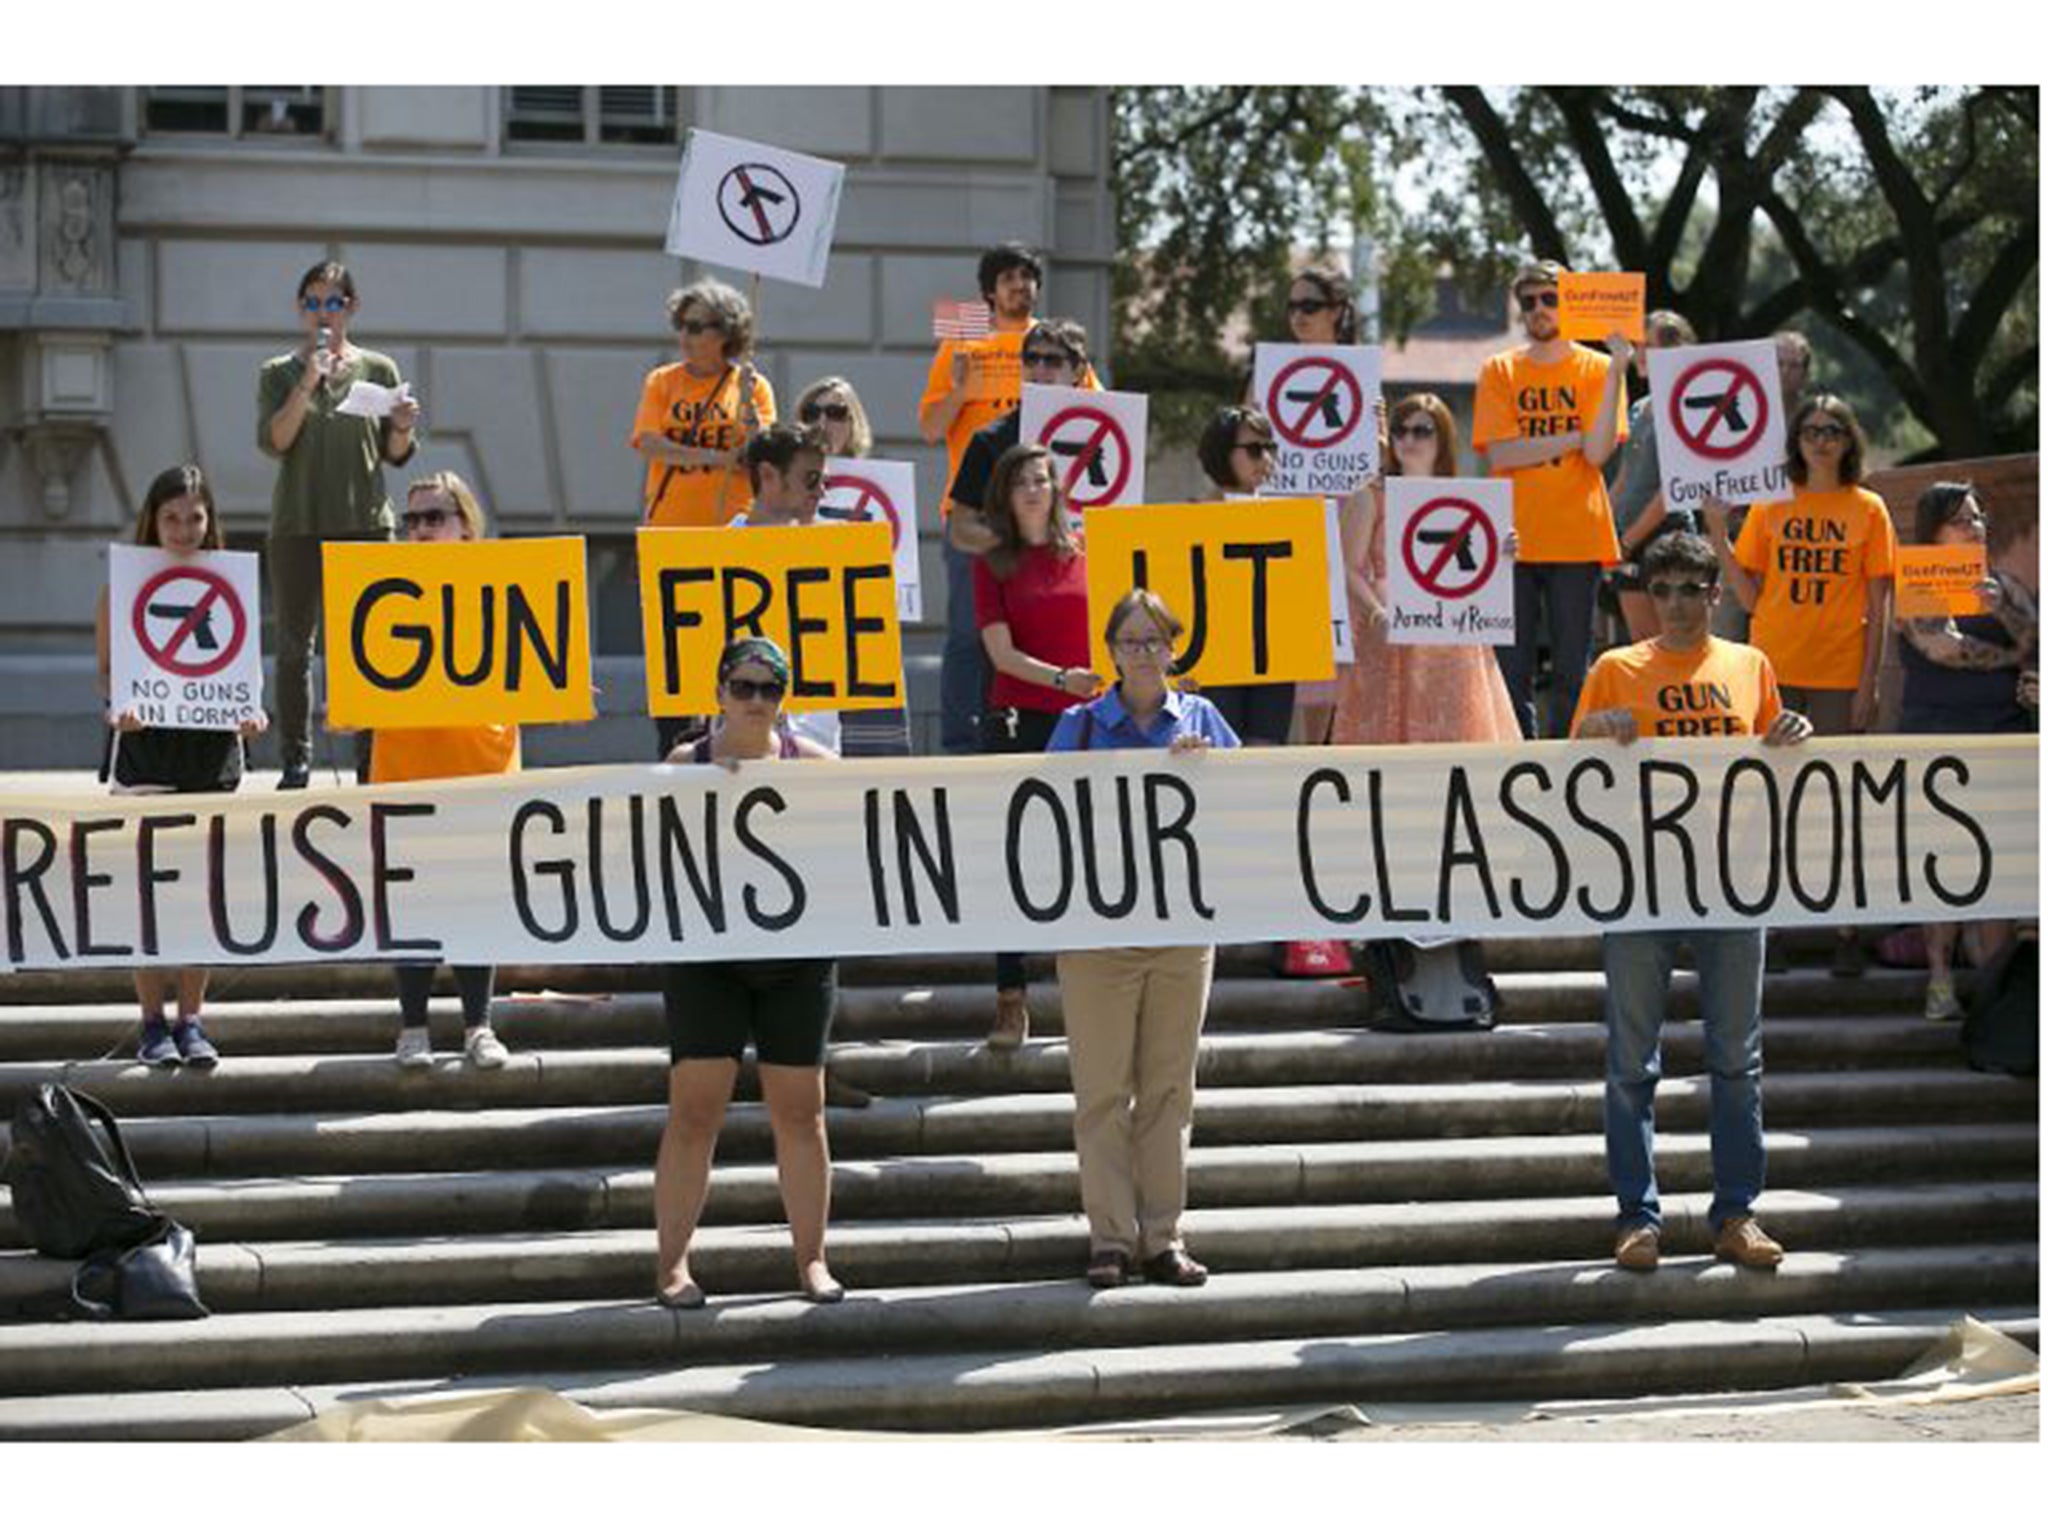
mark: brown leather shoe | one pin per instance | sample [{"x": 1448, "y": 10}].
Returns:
[
  {"x": 1172, "y": 1266},
  {"x": 1637, "y": 1248},
  {"x": 1013, "y": 1020},
  {"x": 840, "y": 1094},
  {"x": 1742, "y": 1241}
]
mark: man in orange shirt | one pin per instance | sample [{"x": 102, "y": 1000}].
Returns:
[
  {"x": 1548, "y": 415},
  {"x": 1685, "y": 682}
]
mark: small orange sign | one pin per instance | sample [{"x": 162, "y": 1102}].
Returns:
[
  {"x": 1935, "y": 581},
  {"x": 1591, "y": 306}
]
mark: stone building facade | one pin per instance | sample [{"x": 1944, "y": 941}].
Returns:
[{"x": 507, "y": 245}]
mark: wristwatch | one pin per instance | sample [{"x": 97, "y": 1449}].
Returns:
[{"x": 1059, "y": 680}]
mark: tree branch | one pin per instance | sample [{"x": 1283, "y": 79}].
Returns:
[
  {"x": 1994, "y": 296},
  {"x": 1575, "y": 104},
  {"x": 1201, "y": 127},
  {"x": 2012, "y": 373},
  {"x": 1505, "y": 161},
  {"x": 1787, "y": 132}
]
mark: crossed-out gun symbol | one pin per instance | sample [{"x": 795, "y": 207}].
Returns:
[
  {"x": 1089, "y": 451},
  {"x": 1730, "y": 406},
  {"x": 1324, "y": 399},
  {"x": 202, "y": 626}
]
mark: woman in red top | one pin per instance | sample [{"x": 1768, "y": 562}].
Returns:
[{"x": 1031, "y": 606}]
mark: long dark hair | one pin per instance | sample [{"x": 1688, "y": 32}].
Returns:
[
  {"x": 1836, "y": 409},
  {"x": 1001, "y": 517},
  {"x": 180, "y": 480},
  {"x": 1335, "y": 288}
]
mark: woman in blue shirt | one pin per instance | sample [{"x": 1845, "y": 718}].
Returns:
[{"x": 1134, "y": 1016}]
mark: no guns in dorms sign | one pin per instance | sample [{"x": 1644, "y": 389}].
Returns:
[{"x": 183, "y": 636}]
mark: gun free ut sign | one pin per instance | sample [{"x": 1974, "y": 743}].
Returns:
[
  {"x": 755, "y": 207},
  {"x": 1097, "y": 441},
  {"x": 1720, "y": 423},
  {"x": 1319, "y": 400},
  {"x": 183, "y": 637}
]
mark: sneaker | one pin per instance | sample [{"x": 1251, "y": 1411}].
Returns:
[
  {"x": 190, "y": 1039},
  {"x": 415, "y": 1048},
  {"x": 1637, "y": 1248},
  {"x": 295, "y": 776},
  {"x": 156, "y": 1049},
  {"x": 1742, "y": 1241},
  {"x": 1013, "y": 1020},
  {"x": 1941, "y": 1002},
  {"x": 482, "y": 1048},
  {"x": 1848, "y": 962}
]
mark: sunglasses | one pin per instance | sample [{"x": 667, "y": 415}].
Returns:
[
  {"x": 425, "y": 517},
  {"x": 1823, "y": 432},
  {"x": 1691, "y": 591},
  {"x": 1047, "y": 360},
  {"x": 1547, "y": 299},
  {"x": 1416, "y": 429},
  {"x": 1151, "y": 645},
  {"x": 334, "y": 304},
  {"x": 1308, "y": 306},
  {"x": 819, "y": 409},
  {"x": 699, "y": 327},
  {"x": 747, "y": 688},
  {"x": 1258, "y": 449}
]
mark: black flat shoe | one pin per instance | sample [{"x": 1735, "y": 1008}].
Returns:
[
  {"x": 687, "y": 1297},
  {"x": 1174, "y": 1267}
]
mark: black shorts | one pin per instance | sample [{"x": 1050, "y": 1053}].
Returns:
[{"x": 785, "y": 1007}]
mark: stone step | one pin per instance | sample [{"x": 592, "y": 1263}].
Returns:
[
  {"x": 963, "y": 1392},
  {"x": 619, "y": 1262},
  {"x": 173, "y": 1135},
  {"x": 260, "y": 1208}
]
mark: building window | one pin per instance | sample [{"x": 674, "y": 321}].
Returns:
[
  {"x": 591, "y": 114},
  {"x": 237, "y": 111}
]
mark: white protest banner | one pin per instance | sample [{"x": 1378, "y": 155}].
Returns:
[
  {"x": 185, "y": 637},
  {"x": 1319, "y": 400},
  {"x": 755, "y": 207},
  {"x": 1449, "y": 578},
  {"x": 1064, "y": 851},
  {"x": 1720, "y": 423},
  {"x": 884, "y": 490},
  {"x": 1097, "y": 438}
]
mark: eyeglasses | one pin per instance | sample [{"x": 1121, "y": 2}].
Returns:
[
  {"x": 1823, "y": 432},
  {"x": 1547, "y": 298},
  {"x": 747, "y": 688},
  {"x": 699, "y": 327},
  {"x": 425, "y": 517},
  {"x": 1691, "y": 591},
  {"x": 1047, "y": 360},
  {"x": 1423, "y": 429},
  {"x": 1258, "y": 449},
  {"x": 830, "y": 412},
  {"x": 1151, "y": 645},
  {"x": 1308, "y": 306},
  {"x": 813, "y": 479},
  {"x": 334, "y": 304}
]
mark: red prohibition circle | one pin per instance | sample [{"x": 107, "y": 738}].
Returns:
[
  {"x": 865, "y": 491},
  {"x": 1743, "y": 380},
  {"x": 1475, "y": 516},
  {"x": 218, "y": 589},
  {"x": 1297, "y": 433},
  {"x": 1104, "y": 429}
]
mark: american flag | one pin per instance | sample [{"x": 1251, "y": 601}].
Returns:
[{"x": 960, "y": 319}]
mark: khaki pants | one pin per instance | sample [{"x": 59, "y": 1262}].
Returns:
[{"x": 1134, "y": 1020}]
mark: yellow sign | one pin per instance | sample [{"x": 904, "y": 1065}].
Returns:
[
  {"x": 1250, "y": 580},
  {"x": 1936, "y": 581},
  {"x": 825, "y": 593},
  {"x": 495, "y": 632},
  {"x": 1591, "y": 306}
]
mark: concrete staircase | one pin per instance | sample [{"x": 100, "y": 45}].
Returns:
[{"x": 1419, "y": 1217}]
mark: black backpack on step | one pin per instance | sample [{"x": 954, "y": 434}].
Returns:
[
  {"x": 1415, "y": 990},
  {"x": 2002, "y": 1031}
]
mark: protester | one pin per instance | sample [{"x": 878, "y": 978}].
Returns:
[
  {"x": 1548, "y": 416},
  {"x": 1815, "y": 574},
  {"x": 1031, "y": 601},
  {"x": 714, "y": 1007},
  {"x": 1407, "y": 693},
  {"x": 178, "y": 516},
  {"x": 1236, "y": 452},
  {"x": 1795, "y": 370},
  {"x": 1636, "y": 483},
  {"x": 1686, "y": 684},
  {"x": 786, "y": 475},
  {"x": 833, "y": 408},
  {"x": 696, "y": 414},
  {"x": 1962, "y": 678},
  {"x": 970, "y": 386},
  {"x": 1055, "y": 353},
  {"x": 1134, "y": 1015},
  {"x": 330, "y": 484}
]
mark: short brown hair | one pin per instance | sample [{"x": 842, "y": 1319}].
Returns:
[
  {"x": 1001, "y": 518},
  {"x": 1542, "y": 272},
  {"x": 1659, "y": 321},
  {"x": 1149, "y": 603},
  {"x": 1070, "y": 336},
  {"x": 728, "y": 306}
]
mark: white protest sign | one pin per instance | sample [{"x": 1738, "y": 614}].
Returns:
[
  {"x": 755, "y": 207},
  {"x": 1319, "y": 400},
  {"x": 185, "y": 637},
  {"x": 1449, "y": 578},
  {"x": 1340, "y": 598},
  {"x": 1097, "y": 438},
  {"x": 1720, "y": 423},
  {"x": 865, "y": 490}
]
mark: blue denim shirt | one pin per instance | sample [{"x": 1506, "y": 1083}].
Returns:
[{"x": 1104, "y": 725}]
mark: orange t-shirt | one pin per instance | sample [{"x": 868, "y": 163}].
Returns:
[
  {"x": 1815, "y": 552},
  {"x": 1721, "y": 689},
  {"x": 1562, "y": 515},
  {"x": 695, "y": 413},
  {"x": 998, "y": 390},
  {"x": 399, "y": 755}
]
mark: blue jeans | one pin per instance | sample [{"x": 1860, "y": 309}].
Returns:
[
  {"x": 963, "y": 666},
  {"x": 1731, "y": 971},
  {"x": 1569, "y": 594}
]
